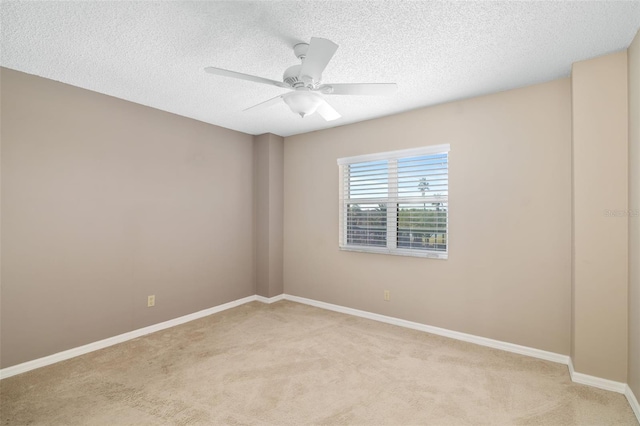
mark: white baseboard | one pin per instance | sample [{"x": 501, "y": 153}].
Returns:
[
  {"x": 100, "y": 344},
  {"x": 632, "y": 401},
  {"x": 483, "y": 341},
  {"x": 269, "y": 300},
  {"x": 585, "y": 379},
  {"x": 596, "y": 382},
  {"x": 581, "y": 378}
]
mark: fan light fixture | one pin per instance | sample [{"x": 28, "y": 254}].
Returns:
[{"x": 302, "y": 102}]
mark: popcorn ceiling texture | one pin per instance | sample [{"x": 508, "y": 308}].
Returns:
[{"x": 153, "y": 53}]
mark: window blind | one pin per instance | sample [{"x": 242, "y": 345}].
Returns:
[{"x": 396, "y": 202}]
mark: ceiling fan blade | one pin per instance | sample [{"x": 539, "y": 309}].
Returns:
[
  {"x": 241, "y": 76},
  {"x": 318, "y": 56},
  {"x": 327, "y": 112},
  {"x": 362, "y": 89},
  {"x": 265, "y": 104}
]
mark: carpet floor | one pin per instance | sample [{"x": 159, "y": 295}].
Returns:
[{"x": 292, "y": 364}]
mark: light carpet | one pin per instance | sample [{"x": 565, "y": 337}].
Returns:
[{"x": 289, "y": 363}]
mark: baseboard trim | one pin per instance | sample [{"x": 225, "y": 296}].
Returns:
[
  {"x": 81, "y": 350},
  {"x": 101, "y": 344},
  {"x": 585, "y": 379},
  {"x": 635, "y": 406},
  {"x": 581, "y": 378},
  {"x": 483, "y": 341},
  {"x": 269, "y": 300},
  {"x": 596, "y": 382}
]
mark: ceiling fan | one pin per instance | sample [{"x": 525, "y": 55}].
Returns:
[{"x": 305, "y": 82}]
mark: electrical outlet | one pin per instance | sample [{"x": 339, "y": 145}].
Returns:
[
  {"x": 387, "y": 295},
  {"x": 151, "y": 301}
]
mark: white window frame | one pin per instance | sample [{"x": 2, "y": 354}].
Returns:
[{"x": 392, "y": 202}]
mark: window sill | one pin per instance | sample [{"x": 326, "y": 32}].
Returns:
[{"x": 397, "y": 252}]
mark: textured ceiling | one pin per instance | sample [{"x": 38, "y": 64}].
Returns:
[{"x": 153, "y": 53}]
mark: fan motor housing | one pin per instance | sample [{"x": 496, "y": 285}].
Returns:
[{"x": 290, "y": 76}]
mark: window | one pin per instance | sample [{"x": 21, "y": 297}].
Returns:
[{"x": 396, "y": 202}]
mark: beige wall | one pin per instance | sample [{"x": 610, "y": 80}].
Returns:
[
  {"x": 600, "y": 181},
  {"x": 508, "y": 272},
  {"x": 105, "y": 202},
  {"x": 268, "y": 196},
  {"x": 634, "y": 219}
]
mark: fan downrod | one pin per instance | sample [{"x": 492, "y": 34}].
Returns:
[{"x": 300, "y": 50}]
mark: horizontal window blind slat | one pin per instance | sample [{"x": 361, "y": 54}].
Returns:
[
  {"x": 422, "y": 174},
  {"x": 371, "y": 185},
  {"x": 404, "y": 189},
  {"x": 365, "y": 201},
  {"x": 431, "y": 180},
  {"x": 423, "y": 162},
  {"x": 421, "y": 170},
  {"x": 367, "y": 172},
  {"x": 436, "y": 158},
  {"x": 440, "y": 227}
]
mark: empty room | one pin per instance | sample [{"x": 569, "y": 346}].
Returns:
[{"x": 320, "y": 212}]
